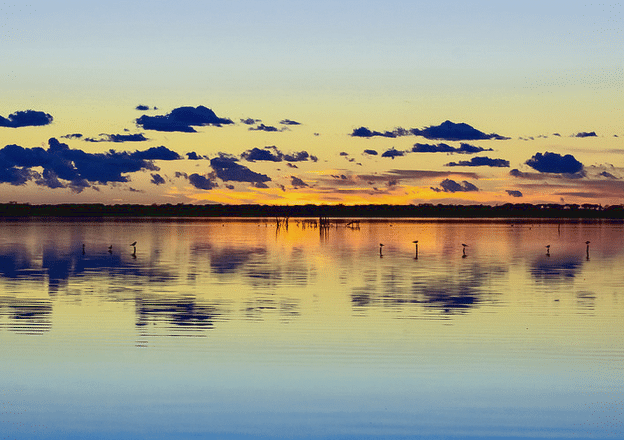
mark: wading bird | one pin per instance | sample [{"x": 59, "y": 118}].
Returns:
[
  {"x": 380, "y": 248},
  {"x": 587, "y": 249},
  {"x": 548, "y": 250},
  {"x": 416, "y": 244},
  {"x": 464, "y": 250}
]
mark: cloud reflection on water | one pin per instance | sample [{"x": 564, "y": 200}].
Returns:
[
  {"x": 454, "y": 293},
  {"x": 187, "y": 279}
]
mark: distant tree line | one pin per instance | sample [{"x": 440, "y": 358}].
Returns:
[{"x": 426, "y": 210}]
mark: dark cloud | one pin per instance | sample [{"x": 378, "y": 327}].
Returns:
[
  {"x": 74, "y": 169},
  {"x": 555, "y": 163},
  {"x": 448, "y": 130},
  {"x": 250, "y": 121},
  {"x": 272, "y": 154},
  {"x": 260, "y": 185},
  {"x": 180, "y": 174},
  {"x": 416, "y": 175},
  {"x": 514, "y": 193},
  {"x": 584, "y": 134},
  {"x": 451, "y": 186},
  {"x": 522, "y": 175},
  {"x": 201, "y": 182},
  {"x": 297, "y": 182},
  {"x": 607, "y": 175},
  {"x": 138, "y": 137},
  {"x": 157, "y": 153},
  {"x": 49, "y": 179},
  {"x": 290, "y": 165},
  {"x": 72, "y": 136},
  {"x": 365, "y": 132},
  {"x": 269, "y": 154},
  {"x": 451, "y": 131},
  {"x": 480, "y": 162},
  {"x": 262, "y": 127},
  {"x": 463, "y": 148},
  {"x": 27, "y": 118},
  {"x": 371, "y": 152},
  {"x": 289, "y": 122},
  {"x": 194, "y": 156},
  {"x": 228, "y": 169},
  {"x": 392, "y": 153},
  {"x": 142, "y": 107},
  {"x": 157, "y": 179},
  {"x": 182, "y": 119}
]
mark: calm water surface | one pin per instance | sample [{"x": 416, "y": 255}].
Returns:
[{"x": 239, "y": 329}]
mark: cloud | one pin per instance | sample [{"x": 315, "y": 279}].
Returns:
[
  {"x": 157, "y": 153},
  {"x": 463, "y": 148},
  {"x": 480, "y": 162},
  {"x": 607, "y": 175},
  {"x": 262, "y": 127},
  {"x": 250, "y": 121},
  {"x": 201, "y": 182},
  {"x": 267, "y": 154},
  {"x": 142, "y": 107},
  {"x": 370, "y": 152},
  {"x": 392, "y": 153},
  {"x": 260, "y": 185},
  {"x": 138, "y": 137},
  {"x": 289, "y": 122},
  {"x": 451, "y": 186},
  {"x": 584, "y": 134},
  {"x": 182, "y": 119},
  {"x": 514, "y": 193},
  {"x": 365, "y": 132},
  {"x": 27, "y": 118},
  {"x": 72, "y": 136},
  {"x": 272, "y": 154},
  {"x": 555, "y": 163},
  {"x": 64, "y": 167},
  {"x": 297, "y": 182},
  {"x": 416, "y": 175},
  {"x": 451, "y": 131},
  {"x": 193, "y": 156},
  {"x": 522, "y": 175},
  {"x": 228, "y": 169},
  {"x": 447, "y": 130},
  {"x": 157, "y": 179}
]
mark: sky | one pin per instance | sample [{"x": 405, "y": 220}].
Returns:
[{"x": 322, "y": 102}]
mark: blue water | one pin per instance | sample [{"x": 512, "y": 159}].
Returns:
[{"x": 239, "y": 329}]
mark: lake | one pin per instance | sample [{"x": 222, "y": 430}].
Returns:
[{"x": 240, "y": 329}]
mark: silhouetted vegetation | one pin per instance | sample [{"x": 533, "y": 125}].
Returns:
[{"x": 509, "y": 210}]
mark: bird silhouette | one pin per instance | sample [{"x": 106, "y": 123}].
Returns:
[
  {"x": 133, "y": 244},
  {"x": 587, "y": 249},
  {"x": 110, "y": 249},
  {"x": 416, "y": 245},
  {"x": 464, "y": 250},
  {"x": 380, "y": 248},
  {"x": 548, "y": 250}
]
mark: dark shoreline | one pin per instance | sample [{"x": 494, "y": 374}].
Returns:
[{"x": 423, "y": 211}]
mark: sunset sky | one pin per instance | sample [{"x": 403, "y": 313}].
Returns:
[{"x": 312, "y": 102}]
